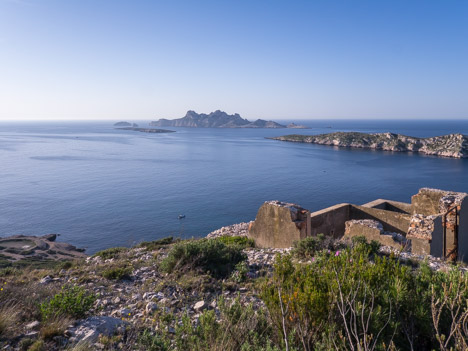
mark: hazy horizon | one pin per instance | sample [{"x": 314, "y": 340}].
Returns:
[{"x": 274, "y": 60}]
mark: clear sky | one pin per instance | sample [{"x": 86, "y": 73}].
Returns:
[{"x": 111, "y": 59}]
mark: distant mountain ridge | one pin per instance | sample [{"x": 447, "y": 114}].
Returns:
[{"x": 217, "y": 119}]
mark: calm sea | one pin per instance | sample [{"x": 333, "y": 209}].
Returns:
[{"x": 100, "y": 187}]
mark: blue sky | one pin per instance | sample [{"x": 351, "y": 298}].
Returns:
[{"x": 110, "y": 59}]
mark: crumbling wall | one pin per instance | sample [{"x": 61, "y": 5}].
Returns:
[
  {"x": 374, "y": 230},
  {"x": 426, "y": 201},
  {"x": 425, "y": 233},
  {"x": 279, "y": 224},
  {"x": 438, "y": 202}
]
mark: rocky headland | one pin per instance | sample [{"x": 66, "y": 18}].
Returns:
[
  {"x": 451, "y": 145},
  {"x": 147, "y": 130},
  {"x": 217, "y": 119}
]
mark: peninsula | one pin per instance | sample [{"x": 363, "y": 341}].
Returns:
[
  {"x": 147, "y": 130},
  {"x": 217, "y": 119},
  {"x": 451, "y": 145}
]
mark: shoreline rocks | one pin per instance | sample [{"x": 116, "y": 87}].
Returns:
[{"x": 21, "y": 247}]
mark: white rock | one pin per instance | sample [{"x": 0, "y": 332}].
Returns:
[
  {"x": 199, "y": 306},
  {"x": 46, "y": 280},
  {"x": 32, "y": 325},
  {"x": 88, "y": 330}
]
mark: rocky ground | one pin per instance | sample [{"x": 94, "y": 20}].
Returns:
[{"x": 239, "y": 229}]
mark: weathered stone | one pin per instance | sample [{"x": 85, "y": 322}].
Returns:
[
  {"x": 279, "y": 224},
  {"x": 88, "y": 330},
  {"x": 32, "y": 325},
  {"x": 199, "y": 306},
  {"x": 46, "y": 280}
]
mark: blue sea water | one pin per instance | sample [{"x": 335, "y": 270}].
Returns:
[{"x": 101, "y": 187}]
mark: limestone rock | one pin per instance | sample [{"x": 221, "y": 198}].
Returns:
[
  {"x": 199, "y": 306},
  {"x": 88, "y": 330}
]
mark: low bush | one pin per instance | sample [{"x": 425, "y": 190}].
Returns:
[
  {"x": 206, "y": 255},
  {"x": 118, "y": 272},
  {"x": 354, "y": 299},
  {"x": 241, "y": 241},
  {"x": 113, "y": 252},
  {"x": 360, "y": 243},
  {"x": 240, "y": 274},
  {"x": 72, "y": 301},
  {"x": 308, "y": 247},
  {"x": 237, "y": 328},
  {"x": 156, "y": 244}
]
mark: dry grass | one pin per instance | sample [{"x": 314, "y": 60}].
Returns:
[
  {"x": 54, "y": 326},
  {"x": 9, "y": 316}
]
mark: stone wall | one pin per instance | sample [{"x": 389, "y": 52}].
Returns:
[
  {"x": 279, "y": 225},
  {"x": 373, "y": 230},
  {"x": 388, "y": 205},
  {"x": 330, "y": 221},
  {"x": 392, "y": 221}
]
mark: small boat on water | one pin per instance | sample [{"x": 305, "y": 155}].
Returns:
[{"x": 181, "y": 216}]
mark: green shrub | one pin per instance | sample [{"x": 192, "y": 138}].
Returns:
[
  {"x": 236, "y": 328},
  {"x": 383, "y": 301},
  {"x": 112, "y": 252},
  {"x": 241, "y": 241},
  {"x": 205, "y": 255},
  {"x": 118, "y": 272},
  {"x": 240, "y": 274},
  {"x": 360, "y": 243},
  {"x": 156, "y": 244},
  {"x": 152, "y": 341},
  {"x": 73, "y": 301},
  {"x": 308, "y": 247}
]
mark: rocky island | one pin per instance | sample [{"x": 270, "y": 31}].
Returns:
[
  {"x": 296, "y": 126},
  {"x": 217, "y": 119},
  {"x": 125, "y": 124},
  {"x": 147, "y": 130},
  {"x": 451, "y": 145}
]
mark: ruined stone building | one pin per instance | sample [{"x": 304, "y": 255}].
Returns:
[{"x": 435, "y": 223}]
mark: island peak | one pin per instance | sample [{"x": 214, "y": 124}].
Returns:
[{"x": 216, "y": 119}]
